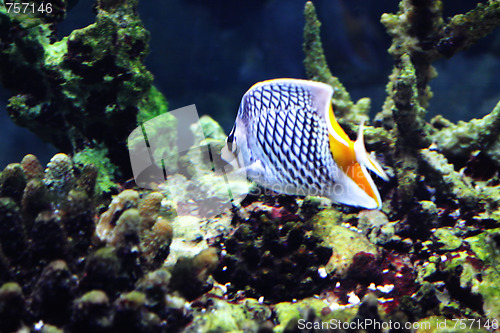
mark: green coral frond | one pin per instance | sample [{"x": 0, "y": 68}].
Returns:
[
  {"x": 153, "y": 104},
  {"x": 317, "y": 69},
  {"x": 98, "y": 156}
]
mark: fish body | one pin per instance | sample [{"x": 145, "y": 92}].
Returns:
[{"x": 287, "y": 139}]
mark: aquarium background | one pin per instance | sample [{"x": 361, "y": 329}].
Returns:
[
  {"x": 84, "y": 247},
  {"x": 209, "y": 53}
]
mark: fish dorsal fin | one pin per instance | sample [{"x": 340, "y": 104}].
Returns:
[
  {"x": 322, "y": 96},
  {"x": 364, "y": 158},
  {"x": 323, "y": 102}
]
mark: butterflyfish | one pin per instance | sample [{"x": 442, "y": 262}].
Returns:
[{"x": 287, "y": 139}]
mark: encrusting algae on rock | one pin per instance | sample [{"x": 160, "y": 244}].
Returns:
[
  {"x": 91, "y": 86},
  {"x": 81, "y": 250}
]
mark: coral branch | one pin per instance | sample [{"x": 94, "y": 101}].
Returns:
[
  {"x": 464, "y": 30},
  {"x": 458, "y": 141},
  {"x": 349, "y": 114},
  {"x": 413, "y": 31},
  {"x": 449, "y": 183},
  {"x": 405, "y": 107},
  {"x": 417, "y": 31},
  {"x": 410, "y": 128}
]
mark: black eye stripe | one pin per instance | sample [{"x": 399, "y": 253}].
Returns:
[
  {"x": 230, "y": 137},
  {"x": 231, "y": 140}
]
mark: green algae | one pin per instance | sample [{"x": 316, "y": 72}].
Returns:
[
  {"x": 461, "y": 139},
  {"x": 376, "y": 225},
  {"x": 90, "y": 80},
  {"x": 326, "y": 219},
  {"x": 411, "y": 29},
  {"x": 313, "y": 314},
  {"x": 408, "y": 116},
  {"x": 54, "y": 54},
  {"x": 153, "y": 104},
  {"x": 289, "y": 313},
  {"x": 489, "y": 289},
  {"x": 402, "y": 101},
  {"x": 447, "y": 181},
  {"x": 135, "y": 299},
  {"x": 228, "y": 317},
  {"x": 464, "y": 30},
  {"x": 345, "y": 243},
  {"x": 449, "y": 240},
  {"x": 486, "y": 248},
  {"x": 98, "y": 156},
  {"x": 475, "y": 270}
]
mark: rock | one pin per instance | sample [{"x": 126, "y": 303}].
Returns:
[
  {"x": 12, "y": 182},
  {"x": 53, "y": 294},
  {"x": 12, "y": 307},
  {"x": 13, "y": 238},
  {"x": 91, "y": 313},
  {"x": 189, "y": 275}
]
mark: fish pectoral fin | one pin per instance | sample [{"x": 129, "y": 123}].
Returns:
[{"x": 256, "y": 169}]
